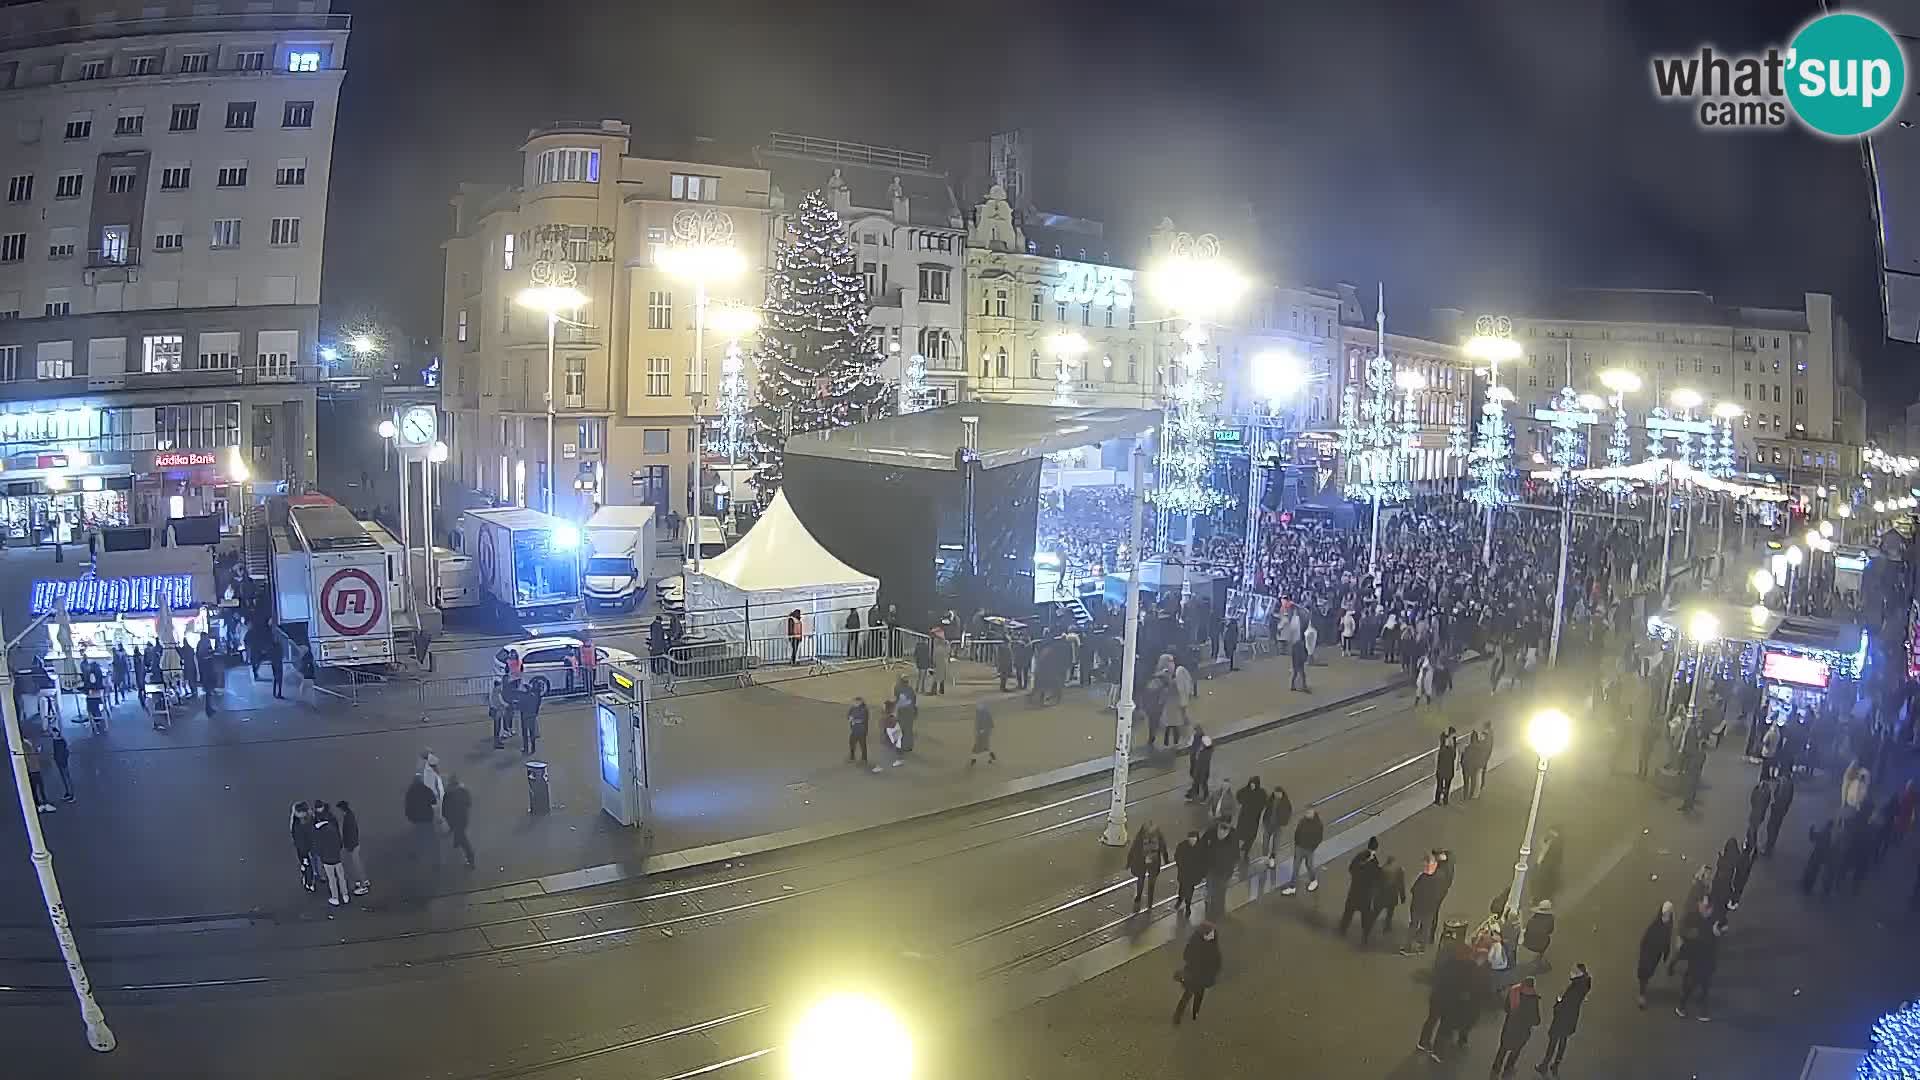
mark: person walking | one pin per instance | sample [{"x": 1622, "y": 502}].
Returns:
[
  {"x": 1347, "y": 627},
  {"x": 1144, "y": 860},
  {"x": 1423, "y": 907},
  {"x": 357, "y": 881},
  {"x": 1777, "y": 810},
  {"x": 529, "y": 710},
  {"x": 1453, "y": 980},
  {"x": 857, "y": 730},
  {"x": 57, "y": 747},
  {"x": 1743, "y": 861},
  {"x": 1223, "y": 855},
  {"x": 895, "y": 736},
  {"x": 1550, "y": 867},
  {"x": 1230, "y": 642},
  {"x": 1199, "y": 765},
  {"x": 1252, "y": 799},
  {"x": 942, "y": 663},
  {"x": 1189, "y": 867},
  {"x": 1199, "y": 969},
  {"x": 1306, "y": 837},
  {"x": 1483, "y": 758},
  {"x": 1698, "y": 980},
  {"x": 456, "y": 808},
  {"x": 1692, "y": 763},
  {"x": 419, "y": 804},
  {"x": 1656, "y": 942},
  {"x": 1183, "y": 694},
  {"x": 982, "y": 736},
  {"x": 1273, "y": 821},
  {"x": 1443, "y": 768},
  {"x": 1297, "y": 653},
  {"x": 1363, "y": 881},
  {"x": 326, "y": 852},
  {"x": 1566, "y": 1020},
  {"x": 1758, "y": 801},
  {"x": 300, "y": 831},
  {"x": 796, "y": 631},
  {"x": 1470, "y": 766},
  {"x": 276, "y": 661},
  {"x": 1538, "y": 935},
  {"x": 1522, "y": 1004}
]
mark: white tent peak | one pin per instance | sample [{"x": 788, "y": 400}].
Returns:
[{"x": 779, "y": 553}]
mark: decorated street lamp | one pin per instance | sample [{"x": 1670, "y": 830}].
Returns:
[
  {"x": 1492, "y": 343},
  {"x": 1196, "y": 282}
]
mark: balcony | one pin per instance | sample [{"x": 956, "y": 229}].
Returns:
[
  {"x": 104, "y": 258},
  {"x": 951, "y": 364},
  {"x": 887, "y": 298}
]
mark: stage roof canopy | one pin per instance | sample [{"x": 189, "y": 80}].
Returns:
[{"x": 1008, "y": 434}]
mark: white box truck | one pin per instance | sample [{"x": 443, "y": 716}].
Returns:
[
  {"x": 528, "y": 562},
  {"x": 620, "y": 543},
  {"x": 330, "y": 584}
]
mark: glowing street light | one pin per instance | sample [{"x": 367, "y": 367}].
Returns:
[
  {"x": 551, "y": 300},
  {"x": 1762, "y": 581},
  {"x": 363, "y": 344},
  {"x": 849, "y": 1037},
  {"x": 1686, "y": 398},
  {"x": 1548, "y": 733},
  {"x": 386, "y": 429},
  {"x": 1704, "y": 628},
  {"x": 1278, "y": 374},
  {"x": 1066, "y": 348}
]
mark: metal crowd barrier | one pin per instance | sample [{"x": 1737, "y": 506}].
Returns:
[
  {"x": 456, "y": 691},
  {"x": 717, "y": 664}
]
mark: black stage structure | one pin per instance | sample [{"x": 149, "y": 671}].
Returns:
[{"x": 891, "y": 497}]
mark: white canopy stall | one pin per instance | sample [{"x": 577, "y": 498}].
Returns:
[{"x": 746, "y": 592}]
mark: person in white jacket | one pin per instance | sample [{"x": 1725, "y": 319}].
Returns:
[
  {"x": 1183, "y": 690},
  {"x": 1347, "y": 627}
]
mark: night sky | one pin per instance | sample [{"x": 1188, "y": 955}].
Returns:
[{"x": 1467, "y": 153}]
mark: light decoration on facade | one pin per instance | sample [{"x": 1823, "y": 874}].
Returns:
[{"x": 1186, "y": 452}]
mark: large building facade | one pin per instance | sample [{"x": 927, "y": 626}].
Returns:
[
  {"x": 629, "y": 397},
  {"x": 160, "y": 252}
]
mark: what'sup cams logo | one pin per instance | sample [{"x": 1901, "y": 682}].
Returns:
[{"x": 1843, "y": 75}]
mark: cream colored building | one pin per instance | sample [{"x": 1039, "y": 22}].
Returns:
[
  {"x": 1792, "y": 370},
  {"x": 166, "y": 167},
  {"x": 626, "y": 383}
]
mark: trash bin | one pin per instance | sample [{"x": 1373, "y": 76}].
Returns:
[{"x": 539, "y": 792}]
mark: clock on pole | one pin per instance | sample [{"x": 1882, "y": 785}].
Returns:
[{"x": 418, "y": 426}]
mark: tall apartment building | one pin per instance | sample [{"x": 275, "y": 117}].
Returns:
[
  {"x": 910, "y": 241},
  {"x": 1793, "y": 371},
  {"x": 166, "y": 167},
  {"x": 628, "y": 395}
]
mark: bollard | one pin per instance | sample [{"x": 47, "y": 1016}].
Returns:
[{"x": 539, "y": 792}]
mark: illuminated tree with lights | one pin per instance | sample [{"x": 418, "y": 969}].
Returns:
[
  {"x": 1186, "y": 445},
  {"x": 1896, "y": 1046},
  {"x": 914, "y": 395},
  {"x": 817, "y": 362}
]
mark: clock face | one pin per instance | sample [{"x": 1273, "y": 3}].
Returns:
[{"x": 417, "y": 425}]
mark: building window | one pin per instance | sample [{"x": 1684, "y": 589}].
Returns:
[
  {"x": 659, "y": 375},
  {"x": 1109, "y": 314},
  {"x": 58, "y": 303},
  {"x": 1033, "y": 311},
  {"x": 694, "y": 188},
  {"x": 219, "y": 352},
  {"x": 61, "y": 242},
  {"x": 232, "y": 174},
  {"x": 13, "y": 247},
  {"x": 1086, "y": 314},
  {"x": 576, "y": 377},
  {"x": 1059, "y": 311},
  {"x": 284, "y": 232},
  {"x": 1746, "y": 391},
  {"x": 93, "y": 69},
  {"x": 79, "y": 126},
  {"x": 175, "y": 177},
  {"x": 168, "y": 241},
  {"x": 1776, "y": 395},
  {"x": 193, "y": 63},
  {"x": 56, "y": 358},
  {"x": 1033, "y": 364},
  {"x": 934, "y": 283},
  {"x": 20, "y": 188},
  {"x": 1000, "y": 302},
  {"x": 1799, "y": 395},
  {"x": 9, "y": 363},
  {"x": 569, "y": 165},
  {"x": 161, "y": 352},
  {"x": 460, "y": 326},
  {"x": 113, "y": 244},
  {"x": 870, "y": 275},
  {"x": 292, "y": 172},
  {"x": 297, "y": 114},
  {"x": 1133, "y": 368},
  {"x": 659, "y": 310},
  {"x": 250, "y": 60},
  {"x": 226, "y": 232},
  {"x": 185, "y": 118},
  {"x": 506, "y": 241},
  {"x": 303, "y": 60},
  {"x": 655, "y": 441},
  {"x": 239, "y": 115},
  {"x": 130, "y": 122},
  {"x": 1777, "y": 425},
  {"x": 68, "y": 185},
  {"x": 593, "y": 435},
  {"x": 121, "y": 181}
]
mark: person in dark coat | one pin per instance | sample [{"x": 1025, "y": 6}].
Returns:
[
  {"x": 1423, "y": 906},
  {"x": 1390, "y": 893},
  {"x": 1538, "y": 935},
  {"x": 1223, "y": 855},
  {"x": 1189, "y": 868},
  {"x": 326, "y": 852},
  {"x": 1003, "y": 663},
  {"x": 1230, "y": 642},
  {"x": 300, "y": 830},
  {"x": 1656, "y": 941},
  {"x": 457, "y": 809},
  {"x": 1307, "y": 835},
  {"x": 1820, "y": 859},
  {"x": 529, "y": 709},
  {"x": 350, "y": 849},
  {"x": 1704, "y": 958},
  {"x": 1742, "y": 870},
  {"x": 1566, "y": 1020},
  {"x": 1199, "y": 969},
  {"x": 1452, "y": 980},
  {"x": 420, "y": 804},
  {"x": 1199, "y": 765},
  {"x": 1523, "y": 1015},
  {"x": 982, "y": 735},
  {"x": 1363, "y": 882},
  {"x": 1757, "y": 802},
  {"x": 1549, "y": 868},
  {"x": 1777, "y": 810},
  {"x": 1298, "y": 654},
  {"x": 1144, "y": 859},
  {"x": 1273, "y": 822},
  {"x": 1443, "y": 768},
  {"x": 1721, "y": 891},
  {"x": 1253, "y": 802}
]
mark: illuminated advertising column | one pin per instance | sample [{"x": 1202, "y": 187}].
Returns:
[{"x": 621, "y": 762}]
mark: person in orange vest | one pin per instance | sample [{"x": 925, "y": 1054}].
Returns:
[{"x": 796, "y": 629}]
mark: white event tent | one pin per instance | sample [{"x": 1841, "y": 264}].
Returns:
[{"x": 747, "y": 591}]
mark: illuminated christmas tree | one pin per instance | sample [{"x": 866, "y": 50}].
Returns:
[
  {"x": 816, "y": 358},
  {"x": 1896, "y": 1046}
]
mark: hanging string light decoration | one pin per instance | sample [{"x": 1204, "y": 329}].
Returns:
[
  {"x": 731, "y": 438},
  {"x": 1186, "y": 451},
  {"x": 1488, "y": 462},
  {"x": 913, "y": 385},
  {"x": 1656, "y": 442},
  {"x": 1377, "y": 437},
  {"x": 1723, "y": 454},
  {"x": 1619, "y": 447},
  {"x": 1566, "y": 451},
  {"x": 1457, "y": 432}
]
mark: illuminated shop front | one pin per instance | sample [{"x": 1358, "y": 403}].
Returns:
[{"x": 108, "y": 611}]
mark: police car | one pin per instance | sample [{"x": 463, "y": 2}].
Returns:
[{"x": 552, "y": 664}]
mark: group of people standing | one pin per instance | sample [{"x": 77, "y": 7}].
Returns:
[{"x": 326, "y": 847}]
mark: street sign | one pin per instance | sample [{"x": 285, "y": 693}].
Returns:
[{"x": 1567, "y": 416}]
